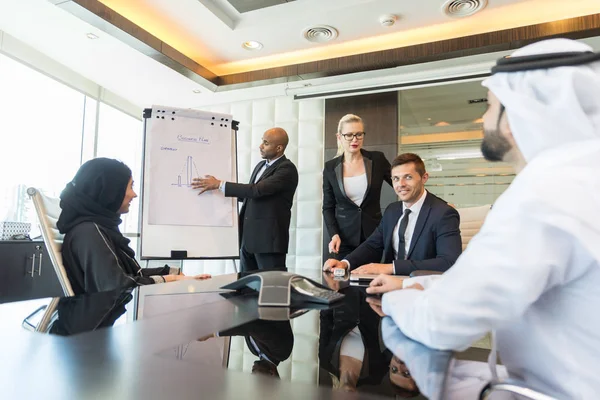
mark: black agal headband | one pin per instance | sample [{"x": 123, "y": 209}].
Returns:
[{"x": 544, "y": 61}]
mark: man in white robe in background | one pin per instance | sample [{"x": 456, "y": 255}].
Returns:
[{"x": 532, "y": 274}]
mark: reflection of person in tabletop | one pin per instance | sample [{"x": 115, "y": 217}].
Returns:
[
  {"x": 401, "y": 380},
  {"x": 271, "y": 341},
  {"x": 350, "y": 348},
  {"x": 86, "y": 313}
]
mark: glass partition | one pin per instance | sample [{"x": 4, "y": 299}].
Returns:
[{"x": 443, "y": 125}]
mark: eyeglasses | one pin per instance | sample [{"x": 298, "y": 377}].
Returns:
[{"x": 350, "y": 136}]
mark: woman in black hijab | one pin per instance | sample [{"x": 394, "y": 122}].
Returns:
[{"x": 96, "y": 256}]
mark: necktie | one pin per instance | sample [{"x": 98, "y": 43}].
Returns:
[{"x": 401, "y": 232}]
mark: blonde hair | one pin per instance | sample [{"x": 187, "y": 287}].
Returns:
[{"x": 346, "y": 119}]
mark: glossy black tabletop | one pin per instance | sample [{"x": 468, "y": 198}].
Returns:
[{"x": 180, "y": 343}]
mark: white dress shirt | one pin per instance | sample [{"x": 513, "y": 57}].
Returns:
[
  {"x": 410, "y": 228},
  {"x": 258, "y": 175}
]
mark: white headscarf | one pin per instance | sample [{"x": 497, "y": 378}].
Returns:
[
  {"x": 554, "y": 116},
  {"x": 548, "y": 108}
]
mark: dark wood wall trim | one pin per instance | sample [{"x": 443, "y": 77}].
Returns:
[{"x": 106, "y": 19}]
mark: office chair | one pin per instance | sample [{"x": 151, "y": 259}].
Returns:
[
  {"x": 48, "y": 211},
  {"x": 47, "y": 315},
  {"x": 471, "y": 220},
  {"x": 514, "y": 387}
]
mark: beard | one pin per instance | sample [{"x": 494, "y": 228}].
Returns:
[{"x": 494, "y": 146}]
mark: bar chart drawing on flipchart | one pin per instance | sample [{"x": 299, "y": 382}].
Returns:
[
  {"x": 188, "y": 172},
  {"x": 180, "y": 150}
]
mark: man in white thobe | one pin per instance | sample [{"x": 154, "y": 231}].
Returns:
[{"x": 532, "y": 274}]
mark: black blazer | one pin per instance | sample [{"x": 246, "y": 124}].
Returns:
[
  {"x": 94, "y": 262},
  {"x": 435, "y": 244},
  {"x": 266, "y": 210},
  {"x": 342, "y": 215}
]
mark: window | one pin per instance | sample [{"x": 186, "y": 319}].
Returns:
[
  {"x": 41, "y": 128},
  {"x": 120, "y": 136},
  {"x": 48, "y": 129}
]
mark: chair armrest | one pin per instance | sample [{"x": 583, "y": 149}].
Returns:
[
  {"x": 512, "y": 386},
  {"x": 30, "y": 323},
  {"x": 41, "y": 320},
  {"x": 424, "y": 272}
]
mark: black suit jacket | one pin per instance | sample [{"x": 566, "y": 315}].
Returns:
[
  {"x": 435, "y": 244},
  {"x": 266, "y": 210},
  {"x": 342, "y": 216}
]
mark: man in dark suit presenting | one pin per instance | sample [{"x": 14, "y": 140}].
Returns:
[
  {"x": 267, "y": 202},
  {"x": 420, "y": 232}
]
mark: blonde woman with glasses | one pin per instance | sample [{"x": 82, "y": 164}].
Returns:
[{"x": 352, "y": 184}]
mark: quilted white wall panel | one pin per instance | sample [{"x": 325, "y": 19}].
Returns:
[
  {"x": 311, "y": 134},
  {"x": 306, "y": 324},
  {"x": 308, "y": 163},
  {"x": 312, "y": 188},
  {"x": 286, "y": 110},
  {"x": 263, "y": 112},
  {"x": 308, "y": 214},
  {"x": 304, "y": 349},
  {"x": 308, "y": 263},
  {"x": 304, "y": 123},
  {"x": 308, "y": 241},
  {"x": 311, "y": 110}
]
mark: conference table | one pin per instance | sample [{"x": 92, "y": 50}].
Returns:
[{"x": 173, "y": 340}]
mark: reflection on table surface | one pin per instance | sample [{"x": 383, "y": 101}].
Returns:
[
  {"x": 350, "y": 353},
  {"x": 429, "y": 368},
  {"x": 350, "y": 347},
  {"x": 90, "y": 312},
  {"x": 343, "y": 346}
]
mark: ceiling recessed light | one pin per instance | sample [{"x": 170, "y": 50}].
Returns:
[
  {"x": 252, "y": 45},
  {"x": 197, "y": 91},
  {"x": 91, "y": 35}
]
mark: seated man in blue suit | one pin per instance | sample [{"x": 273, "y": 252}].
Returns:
[{"x": 420, "y": 232}]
